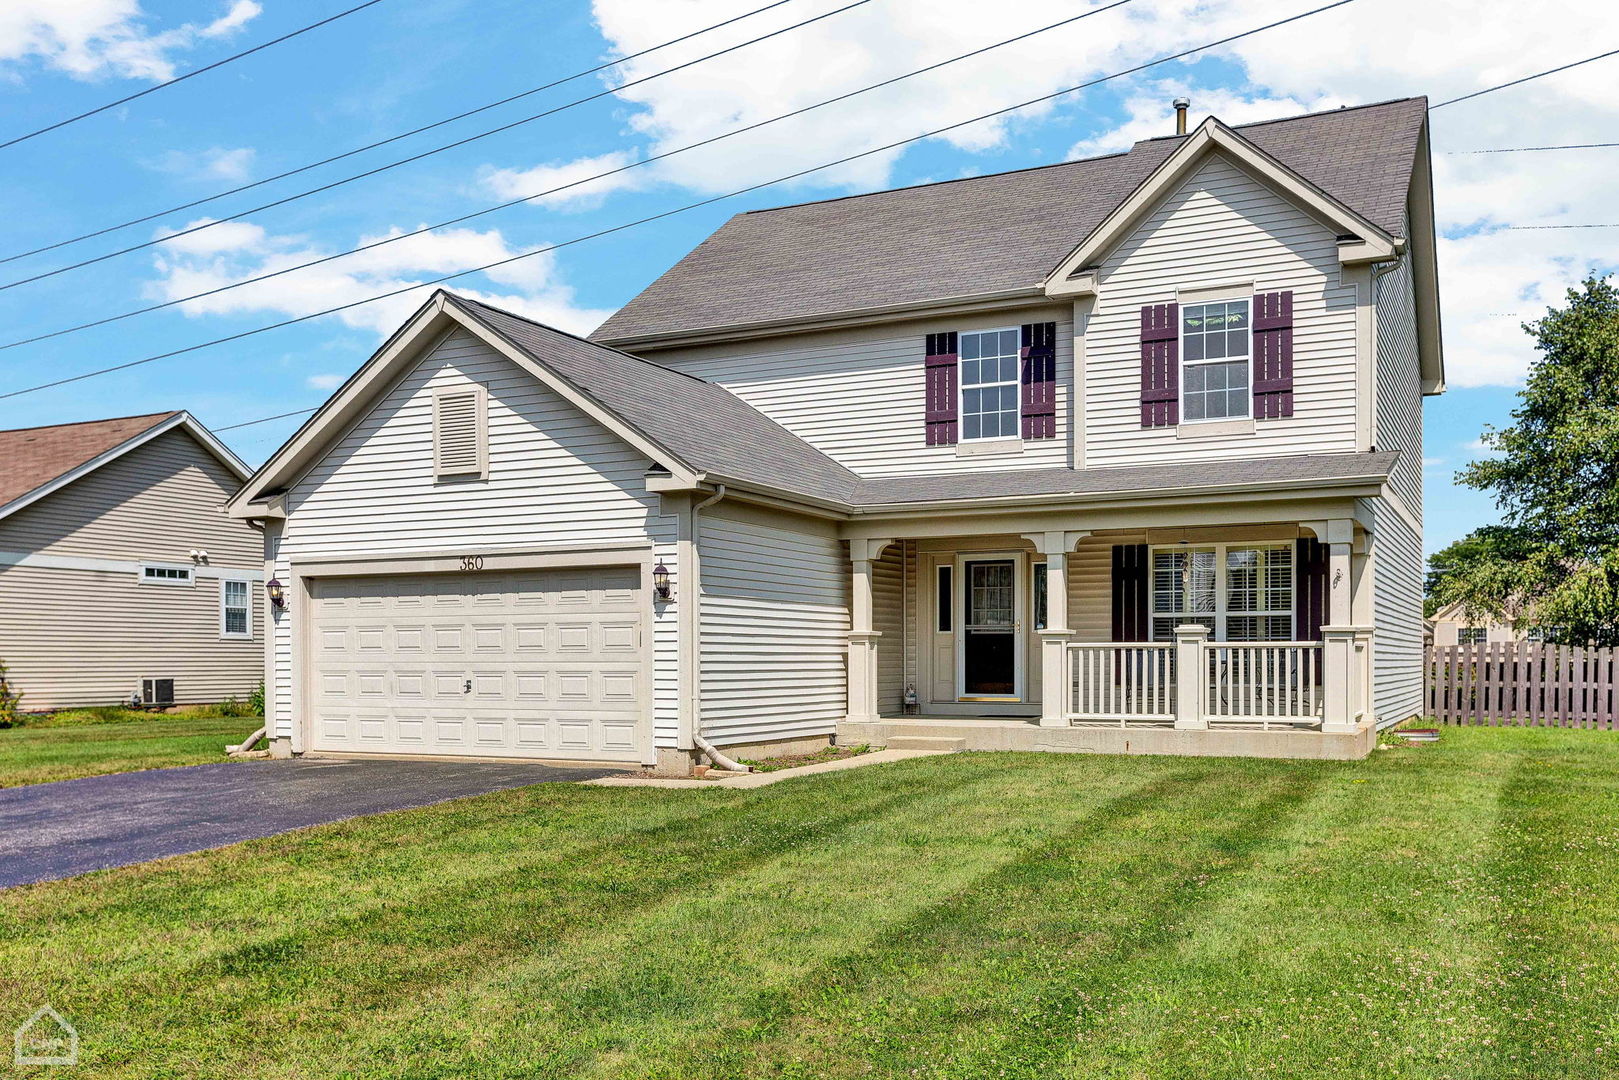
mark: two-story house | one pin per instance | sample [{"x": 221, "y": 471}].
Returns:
[{"x": 1119, "y": 454}]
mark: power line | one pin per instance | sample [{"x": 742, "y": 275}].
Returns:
[
  {"x": 391, "y": 139},
  {"x": 1527, "y": 149},
  {"x": 264, "y": 419},
  {"x": 187, "y": 75},
  {"x": 552, "y": 191},
  {"x": 679, "y": 209},
  {"x": 1526, "y": 78},
  {"x": 424, "y": 154}
]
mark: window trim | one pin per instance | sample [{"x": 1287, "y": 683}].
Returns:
[
  {"x": 247, "y": 592},
  {"x": 186, "y": 582},
  {"x": 961, "y": 390},
  {"x": 1183, "y": 363},
  {"x": 1221, "y": 613},
  {"x": 481, "y": 406}
]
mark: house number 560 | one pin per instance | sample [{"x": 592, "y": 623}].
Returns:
[{"x": 472, "y": 562}]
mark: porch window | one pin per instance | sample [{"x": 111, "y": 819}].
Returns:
[
  {"x": 1214, "y": 361},
  {"x": 1038, "y": 588},
  {"x": 1240, "y": 592},
  {"x": 989, "y": 384}
]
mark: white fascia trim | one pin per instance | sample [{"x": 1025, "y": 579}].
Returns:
[
  {"x": 131, "y": 567},
  {"x": 1210, "y": 135},
  {"x": 179, "y": 420},
  {"x": 952, "y": 305}
]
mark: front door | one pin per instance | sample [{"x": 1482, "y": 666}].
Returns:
[{"x": 989, "y": 645}]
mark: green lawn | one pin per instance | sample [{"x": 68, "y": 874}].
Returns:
[
  {"x": 1437, "y": 911},
  {"x": 74, "y": 745}
]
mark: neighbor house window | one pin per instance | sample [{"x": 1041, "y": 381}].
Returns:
[
  {"x": 1472, "y": 635},
  {"x": 164, "y": 574},
  {"x": 1240, "y": 592},
  {"x": 989, "y": 384},
  {"x": 235, "y": 611},
  {"x": 1214, "y": 361}
]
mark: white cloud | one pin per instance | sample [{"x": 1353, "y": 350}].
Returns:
[
  {"x": 324, "y": 382},
  {"x": 1151, "y": 115},
  {"x": 91, "y": 39},
  {"x": 216, "y": 163},
  {"x": 521, "y": 183},
  {"x": 240, "y": 250}
]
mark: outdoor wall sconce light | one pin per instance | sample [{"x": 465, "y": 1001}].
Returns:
[
  {"x": 278, "y": 595},
  {"x": 660, "y": 582}
]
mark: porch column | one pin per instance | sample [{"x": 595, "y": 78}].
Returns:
[
  {"x": 1055, "y": 687},
  {"x": 1191, "y": 673},
  {"x": 1343, "y": 643},
  {"x": 862, "y": 638}
]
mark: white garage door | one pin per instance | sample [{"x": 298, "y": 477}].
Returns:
[{"x": 536, "y": 663}]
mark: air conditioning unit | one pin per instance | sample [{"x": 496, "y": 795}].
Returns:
[{"x": 157, "y": 691}]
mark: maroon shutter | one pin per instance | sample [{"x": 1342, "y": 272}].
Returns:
[
  {"x": 1309, "y": 588},
  {"x": 1160, "y": 365},
  {"x": 1273, "y": 355},
  {"x": 941, "y": 389},
  {"x": 1130, "y": 593},
  {"x": 1039, "y": 359}
]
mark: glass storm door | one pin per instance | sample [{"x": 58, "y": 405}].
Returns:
[{"x": 989, "y": 643}]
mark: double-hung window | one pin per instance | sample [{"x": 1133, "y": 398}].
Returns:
[
  {"x": 989, "y": 384},
  {"x": 1240, "y": 592},
  {"x": 1216, "y": 347},
  {"x": 235, "y": 609}
]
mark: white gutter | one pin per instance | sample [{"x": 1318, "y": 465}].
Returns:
[{"x": 694, "y": 589}]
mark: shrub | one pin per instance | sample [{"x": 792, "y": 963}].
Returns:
[
  {"x": 255, "y": 700},
  {"x": 10, "y": 701}
]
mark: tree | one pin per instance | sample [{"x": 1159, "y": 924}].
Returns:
[
  {"x": 1555, "y": 476},
  {"x": 1493, "y": 547}
]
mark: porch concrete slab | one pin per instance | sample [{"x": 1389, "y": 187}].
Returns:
[
  {"x": 1215, "y": 742},
  {"x": 757, "y": 780}
]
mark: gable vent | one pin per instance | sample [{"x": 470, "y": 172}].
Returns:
[{"x": 460, "y": 440}]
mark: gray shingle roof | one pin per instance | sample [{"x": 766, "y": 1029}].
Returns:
[{"x": 985, "y": 234}]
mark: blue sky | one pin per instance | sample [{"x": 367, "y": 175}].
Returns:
[{"x": 408, "y": 62}]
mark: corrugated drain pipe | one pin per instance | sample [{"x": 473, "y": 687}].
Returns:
[{"x": 708, "y": 748}]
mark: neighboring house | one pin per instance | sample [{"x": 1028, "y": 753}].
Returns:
[
  {"x": 1450, "y": 626},
  {"x": 121, "y": 577},
  {"x": 1119, "y": 454}
]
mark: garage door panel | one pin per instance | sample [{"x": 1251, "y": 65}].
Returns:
[{"x": 525, "y": 663}]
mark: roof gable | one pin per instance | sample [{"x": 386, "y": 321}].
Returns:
[
  {"x": 983, "y": 237},
  {"x": 42, "y": 460},
  {"x": 692, "y": 428}
]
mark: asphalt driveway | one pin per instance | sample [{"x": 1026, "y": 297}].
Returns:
[{"x": 50, "y": 831}]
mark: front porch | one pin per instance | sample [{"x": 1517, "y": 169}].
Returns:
[{"x": 1248, "y": 639}]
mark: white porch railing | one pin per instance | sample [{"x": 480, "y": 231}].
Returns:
[
  {"x": 1263, "y": 682},
  {"x": 1251, "y": 684},
  {"x": 1122, "y": 682}
]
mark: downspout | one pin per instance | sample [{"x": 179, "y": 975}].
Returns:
[{"x": 694, "y": 591}]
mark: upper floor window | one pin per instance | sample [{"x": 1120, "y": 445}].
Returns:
[
  {"x": 165, "y": 574},
  {"x": 989, "y": 384},
  {"x": 1241, "y": 593},
  {"x": 1215, "y": 352}
]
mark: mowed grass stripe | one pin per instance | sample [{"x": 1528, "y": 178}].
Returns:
[
  {"x": 1355, "y": 941},
  {"x": 1553, "y": 994},
  {"x": 45, "y": 754},
  {"x": 994, "y": 980},
  {"x": 684, "y": 971}
]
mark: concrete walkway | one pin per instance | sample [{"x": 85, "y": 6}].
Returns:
[
  {"x": 51, "y": 831},
  {"x": 757, "y": 780}
]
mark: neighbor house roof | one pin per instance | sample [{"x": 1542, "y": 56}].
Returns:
[
  {"x": 37, "y": 461},
  {"x": 986, "y": 236}
]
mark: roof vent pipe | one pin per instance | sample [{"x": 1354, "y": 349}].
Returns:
[{"x": 1181, "y": 105}]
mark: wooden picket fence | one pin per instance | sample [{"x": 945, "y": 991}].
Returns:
[{"x": 1521, "y": 683}]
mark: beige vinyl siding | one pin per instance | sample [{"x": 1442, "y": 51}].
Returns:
[
  {"x": 1396, "y": 616},
  {"x": 1398, "y": 410},
  {"x": 77, "y": 637},
  {"x": 556, "y": 478},
  {"x": 157, "y": 502},
  {"x": 1222, "y": 227},
  {"x": 888, "y": 619},
  {"x": 775, "y": 620},
  {"x": 857, "y": 395}
]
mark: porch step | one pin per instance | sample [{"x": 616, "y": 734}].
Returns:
[{"x": 925, "y": 742}]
